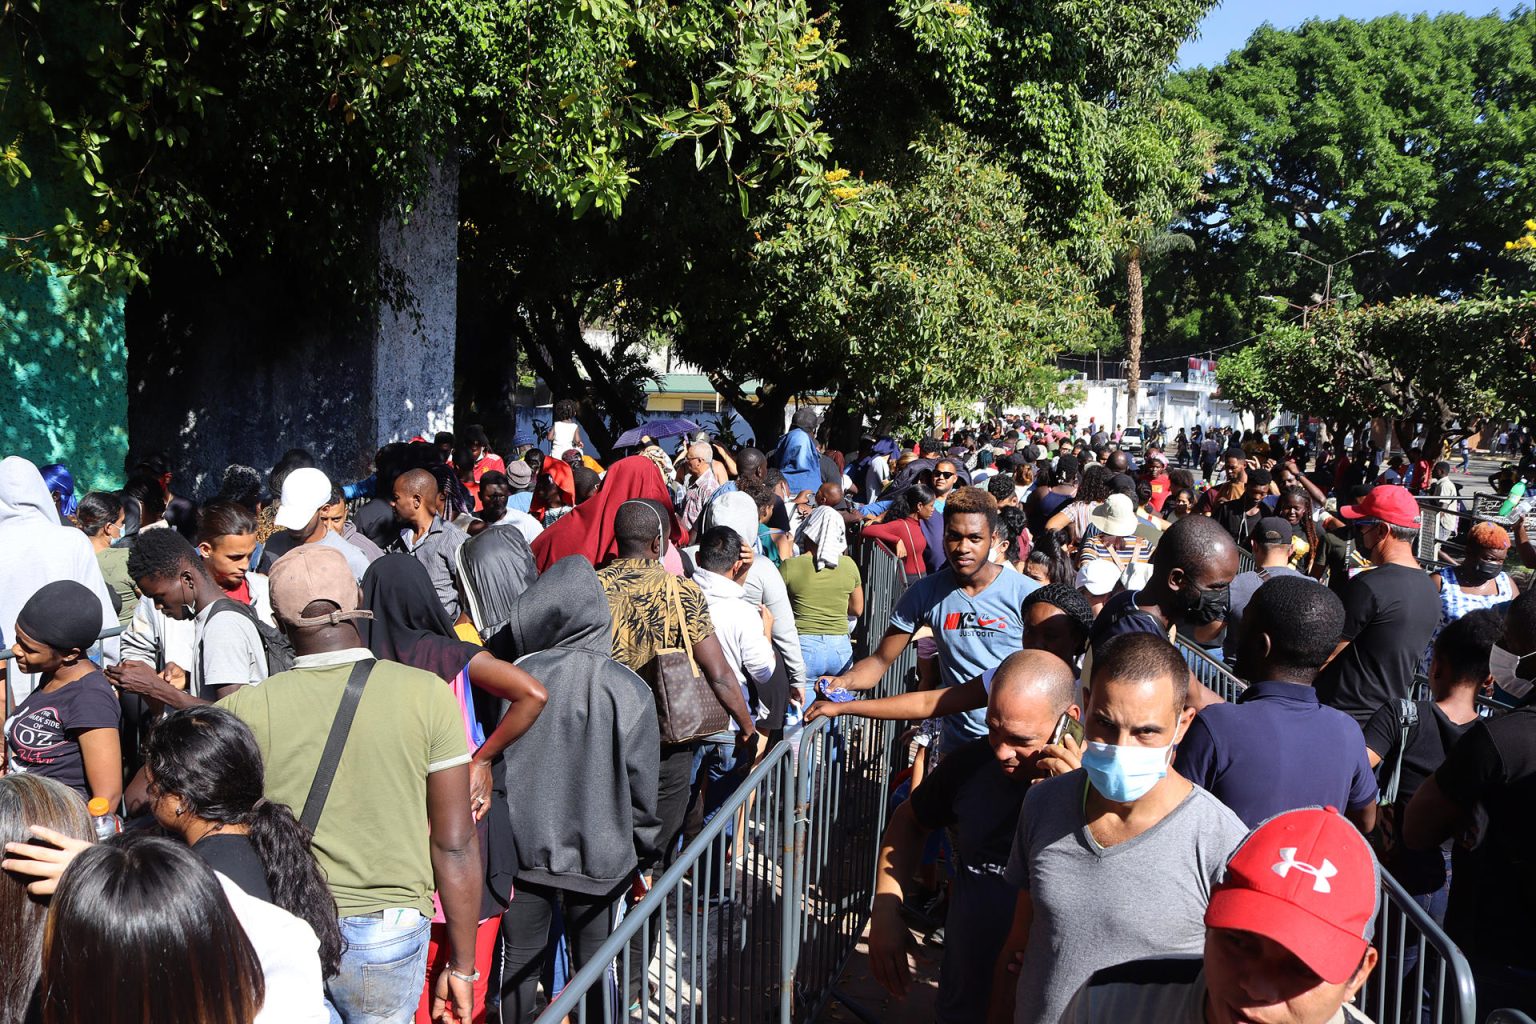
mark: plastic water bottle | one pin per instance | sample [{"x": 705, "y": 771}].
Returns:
[{"x": 105, "y": 823}]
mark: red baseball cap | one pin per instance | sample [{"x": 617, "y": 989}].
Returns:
[
  {"x": 1307, "y": 880},
  {"x": 1387, "y": 503}
]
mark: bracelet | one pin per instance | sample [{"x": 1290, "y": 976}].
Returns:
[{"x": 470, "y": 978}]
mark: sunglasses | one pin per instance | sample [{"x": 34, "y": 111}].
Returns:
[{"x": 943, "y": 476}]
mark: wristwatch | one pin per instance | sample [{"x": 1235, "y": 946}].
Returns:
[{"x": 471, "y": 978}]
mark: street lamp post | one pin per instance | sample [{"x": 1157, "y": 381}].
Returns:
[{"x": 1328, "y": 269}]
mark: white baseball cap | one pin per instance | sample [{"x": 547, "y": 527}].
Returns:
[
  {"x": 305, "y": 492},
  {"x": 1098, "y": 576}
]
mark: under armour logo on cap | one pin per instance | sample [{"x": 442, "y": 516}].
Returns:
[{"x": 1320, "y": 874}]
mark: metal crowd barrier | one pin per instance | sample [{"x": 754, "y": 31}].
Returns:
[
  {"x": 1245, "y": 560},
  {"x": 1422, "y": 976},
  {"x": 1212, "y": 674},
  {"x": 706, "y": 943},
  {"x": 843, "y": 775},
  {"x": 756, "y": 919}
]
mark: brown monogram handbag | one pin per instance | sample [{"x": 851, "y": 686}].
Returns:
[{"x": 685, "y": 704}]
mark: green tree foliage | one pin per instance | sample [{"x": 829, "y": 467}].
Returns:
[
  {"x": 292, "y": 126},
  {"x": 1042, "y": 81},
  {"x": 1427, "y": 365},
  {"x": 1407, "y": 136},
  {"x": 738, "y": 175},
  {"x": 942, "y": 292}
]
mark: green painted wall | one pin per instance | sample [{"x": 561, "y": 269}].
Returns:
[{"x": 63, "y": 360}]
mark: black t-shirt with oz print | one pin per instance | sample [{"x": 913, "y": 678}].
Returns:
[{"x": 43, "y": 734}]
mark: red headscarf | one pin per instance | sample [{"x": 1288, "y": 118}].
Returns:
[
  {"x": 560, "y": 473},
  {"x": 588, "y": 531}
]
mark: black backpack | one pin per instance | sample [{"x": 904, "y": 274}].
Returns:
[{"x": 278, "y": 650}]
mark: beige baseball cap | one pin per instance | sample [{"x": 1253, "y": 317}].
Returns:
[{"x": 314, "y": 572}]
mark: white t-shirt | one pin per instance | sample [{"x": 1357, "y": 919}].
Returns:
[
  {"x": 289, "y": 955},
  {"x": 567, "y": 436}
]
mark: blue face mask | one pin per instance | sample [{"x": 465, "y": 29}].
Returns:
[{"x": 1125, "y": 774}]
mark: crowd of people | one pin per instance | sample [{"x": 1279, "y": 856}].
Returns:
[{"x": 406, "y": 747}]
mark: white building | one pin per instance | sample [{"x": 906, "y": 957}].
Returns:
[{"x": 1165, "y": 397}]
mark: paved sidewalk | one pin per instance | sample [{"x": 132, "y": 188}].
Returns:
[{"x": 871, "y": 1002}]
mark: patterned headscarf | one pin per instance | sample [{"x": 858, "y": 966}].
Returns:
[{"x": 663, "y": 464}]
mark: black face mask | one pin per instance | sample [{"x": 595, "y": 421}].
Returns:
[
  {"x": 1202, "y": 607},
  {"x": 1475, "y": 574}
]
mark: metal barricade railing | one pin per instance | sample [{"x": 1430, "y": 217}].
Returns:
[
  {"x": 843, "y": 773},
  {"x": 1245, "y": 560},
  {"x": 1212, "y": 674},
  {"x": 1421, "y": 976},
  {"x": 706, "y": 943}
]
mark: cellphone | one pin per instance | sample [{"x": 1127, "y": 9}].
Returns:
[{"x": 1066, "y": 725}]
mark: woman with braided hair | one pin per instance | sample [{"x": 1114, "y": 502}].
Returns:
[{"x": 1307, "y": 555}]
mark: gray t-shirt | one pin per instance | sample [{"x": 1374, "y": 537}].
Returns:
[
  {"x": 229, "y": 652},
  {"x": 1096, "y": 907},
  {"x": 356, "y": 560},
  {"x": 1244, "y": 586}
]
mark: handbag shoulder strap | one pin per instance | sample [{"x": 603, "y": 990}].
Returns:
[
  {"x": 675, "y": 597},
  {"x": 330, "y": 758}
]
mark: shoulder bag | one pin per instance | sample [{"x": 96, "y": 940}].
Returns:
[{"x": 685, "y": 704}]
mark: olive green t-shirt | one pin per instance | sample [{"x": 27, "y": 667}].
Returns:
[
  {"x": 820, "y": 596},
  {"x": 372, "y": 837},
  {"x": 114, "y": 569}
]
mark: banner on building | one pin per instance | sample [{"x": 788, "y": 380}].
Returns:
[{"x": 1202, "y": 371}]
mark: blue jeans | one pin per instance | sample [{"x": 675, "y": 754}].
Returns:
[
  {"x": 825, "y": 655},
  {"x": 382, "y": 970},
  {"x": 718, "y": 772}
]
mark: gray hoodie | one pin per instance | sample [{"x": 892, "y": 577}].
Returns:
[{"x": 582, "y": 780}]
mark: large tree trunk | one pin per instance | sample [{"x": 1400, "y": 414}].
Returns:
[{"x": 1133, "y": 327}]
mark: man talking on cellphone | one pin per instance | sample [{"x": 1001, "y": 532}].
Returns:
[{"x": 976, "y": 793}]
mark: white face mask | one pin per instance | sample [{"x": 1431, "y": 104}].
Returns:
[{"x": 1504, "y": 666}]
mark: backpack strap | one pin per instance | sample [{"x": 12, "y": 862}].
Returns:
[
  {"x": 335, "y": 743},
  {"x": 220, "y": 605},
  {"x": 1407, "y": 720}
]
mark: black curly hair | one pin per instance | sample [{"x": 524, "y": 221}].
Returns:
[{"x": 1068, "y": 600}]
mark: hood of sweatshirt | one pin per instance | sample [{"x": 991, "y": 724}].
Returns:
[
  {"x": 564, "y": 608},
  {"x": 23, "y": 494}
]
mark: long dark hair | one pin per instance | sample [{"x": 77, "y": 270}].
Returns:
[
  {"x": 905, "y": 504},
  {"x": 1050, "y": 550},
  {"x": 29, "y": 800},
  {"x": 140, "y": 930},
  {"x": 209, "y": 758},
  {"x": 1093, "y": 486}
]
